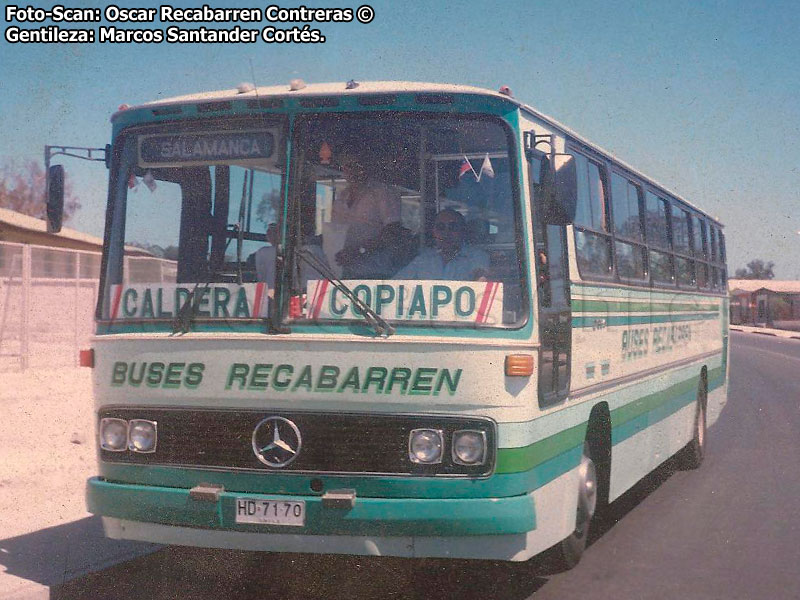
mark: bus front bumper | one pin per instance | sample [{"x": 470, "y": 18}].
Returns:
[{"x": 497, "y": 528}]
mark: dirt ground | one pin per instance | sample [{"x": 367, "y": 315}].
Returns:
[
  {"x": 47, "y": 452},
  {"x": 47, "y": 448}
]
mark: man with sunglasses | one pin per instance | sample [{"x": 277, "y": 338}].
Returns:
[{"x": 451, "y": 259}]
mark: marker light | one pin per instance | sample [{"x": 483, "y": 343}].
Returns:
[
  {"x": 245, "y": 87},
  {"x": 296, "y": 84},
  {"x": 142, "y": 436},
  {"x": 113, "y": 434},
  {"x": 519, "y": 365},
  {"x": 425, "y": 446},
  {"x": 123, "y": 107},
  {"x": 86, "y": 358},
  {"x": 469, "y": 447}
]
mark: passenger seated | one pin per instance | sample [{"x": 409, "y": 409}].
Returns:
[
  {"x": 265, "y": 257},
  {"x": 451, "y": 259}
]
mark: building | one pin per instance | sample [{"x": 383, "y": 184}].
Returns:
[
  {"x": 48, "y": 289},
  {"x": 23, "y": 229},
  {"x": 765, "y": 302}
]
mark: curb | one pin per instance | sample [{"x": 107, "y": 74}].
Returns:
[{"x": 793, "y": 335}]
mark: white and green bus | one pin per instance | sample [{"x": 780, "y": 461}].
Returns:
[{"x": 402, "y": 319}]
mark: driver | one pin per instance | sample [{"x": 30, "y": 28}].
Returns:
[{"x": 451, "y": 258}]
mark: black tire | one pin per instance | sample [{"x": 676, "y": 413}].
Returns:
[
  {"x": 570, "y": 550},
  {"x": 691, "y": 456}
]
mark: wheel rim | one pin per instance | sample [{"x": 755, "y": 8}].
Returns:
[{"x": 587, "y": 495}]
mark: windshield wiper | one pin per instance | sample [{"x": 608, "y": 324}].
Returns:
[
  {"x": 378, "y": 323},
  {"x": 182, "y": 322},
  {"x": 184, "y": 317}
]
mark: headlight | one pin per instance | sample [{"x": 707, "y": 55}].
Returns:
[
  {"x": 469, "y": 447},
  {"x": 142, "y": 436},
  {"x": 425, "y": 446},
  {"x": 113, "y": 434}
]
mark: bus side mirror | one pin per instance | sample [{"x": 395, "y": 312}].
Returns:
[
  {"x": 55, "y": 198},
  {"x": 557, "y": 188}
]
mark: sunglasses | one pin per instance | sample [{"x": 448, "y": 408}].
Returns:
[{"x": 448, "y": 226}]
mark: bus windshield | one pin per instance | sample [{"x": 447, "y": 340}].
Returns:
[
  {"x": 195, "y": 202},
  {"x": 415, "y": 214}
]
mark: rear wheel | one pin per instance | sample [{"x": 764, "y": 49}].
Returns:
[
  {"x": 692, "y": 455},
  {"x": 570, "y": 550}
]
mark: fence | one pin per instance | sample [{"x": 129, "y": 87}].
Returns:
[{"x": 47, "y": 301}]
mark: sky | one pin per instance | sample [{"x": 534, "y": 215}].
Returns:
[{"x": 702, "y": 96}]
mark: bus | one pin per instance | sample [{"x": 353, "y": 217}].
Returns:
[{"x": 406, "y": 319}]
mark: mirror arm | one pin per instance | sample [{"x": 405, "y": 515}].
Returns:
[
  {"x": 72, "y": 152},
  {"x": 55, "y": 211}
]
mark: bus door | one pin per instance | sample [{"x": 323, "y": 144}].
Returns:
[{"x": 553, "y": 286}]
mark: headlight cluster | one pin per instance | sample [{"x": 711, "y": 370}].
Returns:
[
  {"x": 136, "y": 435},
  {"x": 467, "y": 447}
]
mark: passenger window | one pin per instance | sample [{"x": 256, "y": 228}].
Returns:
[
  {"x": 699, "y": 242},
  {"x": 594, "y": 256},
  {"x": 684, "y": 270},
  {"x": 591, "y": 210},
  {"x": 680, "y": 231},
  {"x": 661, "y": 267},
  {"x": 656, "y": 212},
  {"x": 630, "y": 260},
  {"x": 626, "y": 215},
  {"x": 715, "y": 277},
  {"x": 625, "y": 208},
  {"x": 592, "y": 234},
  {"x": 713, "y": 231},
  {"x": 702, "y": 274}
]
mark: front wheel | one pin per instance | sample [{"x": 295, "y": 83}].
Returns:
[{"x": 570, "y": 550}]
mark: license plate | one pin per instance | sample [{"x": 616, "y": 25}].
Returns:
[{"x": 270, "y": 512}]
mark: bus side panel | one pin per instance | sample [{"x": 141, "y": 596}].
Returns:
[
  {"x": 718, "y": 384},
  {"x": 635, "y": 457}
]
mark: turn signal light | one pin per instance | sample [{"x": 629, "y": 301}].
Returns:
[
  {"x": 86, "y": 358},
  {"x": 519, "y": 365}
]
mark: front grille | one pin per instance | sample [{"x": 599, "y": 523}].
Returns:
[{"x": 332, "y": 443}]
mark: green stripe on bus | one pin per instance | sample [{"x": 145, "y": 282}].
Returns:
[
  {"x": 514, "y": 460},
  {"x": 579, "y": 305},
  {"x": 625, "y": 320}
]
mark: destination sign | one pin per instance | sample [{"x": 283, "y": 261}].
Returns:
[
  {"x": 194, "y": 148},
  {"x": 216, "y": 300},
  {"x": 448, "y": 301}
]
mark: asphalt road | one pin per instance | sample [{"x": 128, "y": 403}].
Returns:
[{"x": 729, "y": 530}]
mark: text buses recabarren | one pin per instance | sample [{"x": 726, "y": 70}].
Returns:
[{"x": 391, "y": 319}]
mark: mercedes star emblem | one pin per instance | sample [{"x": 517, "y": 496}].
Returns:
[{"x": 276, "y": 441}]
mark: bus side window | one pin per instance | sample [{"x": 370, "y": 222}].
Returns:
[
  {"x": 682, "y": 241},
  {"x": 629, "y": 236},
  {"x": 657, "y": 230},
  {"x": 592, "y": 227}
]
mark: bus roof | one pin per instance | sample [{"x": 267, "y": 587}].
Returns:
[
  {"x": 394, "y": 87},
  {"x": 329, "y": 89}
]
